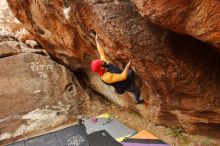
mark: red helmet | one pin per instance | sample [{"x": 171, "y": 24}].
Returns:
[{"x": 96, "y": 66}]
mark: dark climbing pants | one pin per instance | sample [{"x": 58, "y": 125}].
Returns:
[{"x": 130, "y": 86}]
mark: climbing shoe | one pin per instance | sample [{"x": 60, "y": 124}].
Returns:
[{"x": 139, "y": 101}]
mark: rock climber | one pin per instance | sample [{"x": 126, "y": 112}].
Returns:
[{"x": 111, "y": 75}]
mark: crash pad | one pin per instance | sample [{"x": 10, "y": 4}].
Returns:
[
  {"x": 105, "y": 115},
  {"x": 19, "y": 143},
  {"x": 146, "y": 141},
  {"x": 74, "y": 136},
  {"x": 115, "y": 128},
  {"x": 143, "y": 138},
  {"x": 71, "y": 136},
  {"x": 144, "y": 135},
  {"x": 141, "y": 144},
  {"x": 102, "y": 138},
  {"x": 47, "y": 140}
]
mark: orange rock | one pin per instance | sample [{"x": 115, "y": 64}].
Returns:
[
  {"x": 198, "y": 18},
  {"x": 180, "y": 73}
]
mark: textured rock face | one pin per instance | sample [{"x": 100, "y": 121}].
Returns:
[
  {"x": 31, "y": 81},
  {"x": 198, "y": 18},
  {"x": 180, "y": 75},
  {"x": 9, "y": 25},
  {"x": 35, "y": 92}
]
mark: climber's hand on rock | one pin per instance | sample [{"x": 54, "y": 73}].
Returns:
[
  {"x": 98, "y": 42},
  {"x": 96, "y": 37},
  {"x": 128, "y": 65}
]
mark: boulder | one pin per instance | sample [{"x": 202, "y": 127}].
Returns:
[
  {"x": 179, "y": 74},
  {"x": 7, "y": 50},
  {"x": 36, "y": 93},
  {"x": 32, "y": 44},
  {"x": 9, "y": 24},
  {"x": 198, "y": 18}
]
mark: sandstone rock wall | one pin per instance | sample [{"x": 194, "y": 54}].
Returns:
[
  {"x": 36, "y": 93},
  {"x": 180, "y": 74},
  {"x": 198, "y": 18},
  {"x": 9, "y": 24}
]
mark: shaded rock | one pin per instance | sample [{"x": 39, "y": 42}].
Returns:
[
  {"x": 6, "y": 50},
  {"x": 11, "y": 46},
  {"x": 198, "y": 18},
  {"x": 32, "y": 44},
  {"x": 180, "y": 74}
]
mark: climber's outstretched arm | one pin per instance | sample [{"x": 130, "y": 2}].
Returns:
[
  {"x": 100, "y": 50},
  {"x": 114, "y": 77}
]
